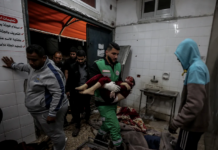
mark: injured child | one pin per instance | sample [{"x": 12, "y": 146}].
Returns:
[{"x": 101, "y": 82}]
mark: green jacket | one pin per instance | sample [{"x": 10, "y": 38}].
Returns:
[{"x": 101, "y": 66}]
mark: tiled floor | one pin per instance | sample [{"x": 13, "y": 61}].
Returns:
[{"x": 87, "y": 131}]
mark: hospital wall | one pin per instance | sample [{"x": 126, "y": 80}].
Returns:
[
  {"x": 153, "y": 46},
  {"x": 17, "y": 123}
]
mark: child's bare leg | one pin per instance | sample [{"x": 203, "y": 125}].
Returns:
[
  {"x": 82, "y": 87},
  {"x": 91, "y": 90}
]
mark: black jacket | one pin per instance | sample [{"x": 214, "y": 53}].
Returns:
[
  {"x": 74, "y": 77},
  {"x": 67, "y": 64}
]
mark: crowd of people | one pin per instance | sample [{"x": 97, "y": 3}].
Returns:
[{"x": 52, "y": 84}]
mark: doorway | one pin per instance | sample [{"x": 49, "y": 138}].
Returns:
[
  {"x": 211, "y": 136},
  {"x": 58, "y": 29}
]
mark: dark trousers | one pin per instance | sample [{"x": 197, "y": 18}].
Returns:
[
  {"x": 79, "y": 102},
  {"x": 188, "y": 140},
  {"x": 65, "y": 118}
]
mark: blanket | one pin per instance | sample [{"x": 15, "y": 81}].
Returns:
[
  {"x": 135, "y": 140},
  {"x": 130, "y": 117}
]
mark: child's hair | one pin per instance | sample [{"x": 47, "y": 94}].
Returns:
[{"x": 133, "y": 81}]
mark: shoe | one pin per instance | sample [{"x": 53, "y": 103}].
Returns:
[
  {"x": 87, "y": 122},
  {"x": 99, "y": 139},
  {"x": 83, "y": 115},
  {"x": 123, "y": 146},
  {"x": 120, "y": 147},
  {"x": 75, "y": 132},
  {"x": 72, "y": 121}
]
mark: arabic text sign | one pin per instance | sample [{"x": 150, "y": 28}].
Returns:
[
  {"x": 11, "y": 33},
  {"x": 8, "y": 19}
]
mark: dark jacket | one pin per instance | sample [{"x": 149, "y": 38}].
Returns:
[
  {"x": 60, "y": 66},
  {"x": 67, "y": 64},
  {"x": 74, "y": 77}
]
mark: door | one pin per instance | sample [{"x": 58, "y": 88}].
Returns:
[
  {"x": 211, "y": 136},
  {"x": 98, "y": 40}
]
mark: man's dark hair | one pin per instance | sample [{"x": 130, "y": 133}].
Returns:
[
  {"x": 59, "y": 52},
  {"x": 81, "y": 53},
  {"x": 37, "y": 49},
  {"x": 113, "y": 45},
  {"x": 79, "y": 48},
  {"x": 73, "y": 49}
]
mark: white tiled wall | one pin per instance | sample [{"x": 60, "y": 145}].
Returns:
[
  {"x": 17, "y": 123},
  {"x": 153, "y": 46},
  {"x": 11, "y": 7}
]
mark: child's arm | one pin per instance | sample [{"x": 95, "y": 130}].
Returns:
[
  {"x": 123, "y": 91},
  {"x": 118, "y": 98},
  {"x": 128, "y": 87},
  {"x": 120, "y": 83}
]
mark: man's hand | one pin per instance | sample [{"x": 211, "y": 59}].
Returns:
[
  {"x": 51, "y": 119},
  {"x": 171, "y": 129},
  {"x": 126, "y": 85},
  {"x": 68, "y": 95},
  {"x": 7, "y": 61},
  {"x": 112, "y": 87},
  {"x": 112, "y": 94}
]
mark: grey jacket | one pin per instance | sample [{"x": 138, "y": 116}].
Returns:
[{"x": 45, "y": 88}]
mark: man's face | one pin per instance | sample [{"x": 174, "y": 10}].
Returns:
[
  {"x": 35, "y": 61},
  {"x": 57, "y": 58},
  {"x": 81, "y": 60},
  {"x": 73, "y": 55},
  {"x": 112, "y": 55}
]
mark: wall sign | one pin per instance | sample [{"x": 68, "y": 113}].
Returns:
[
  {"x": 101, "y": 50},
  {"x": 11, "y": 33}
]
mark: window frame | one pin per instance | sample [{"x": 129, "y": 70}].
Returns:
[
  {"x": 157, "y": 14},
  {"x": 96, "y": 9}
]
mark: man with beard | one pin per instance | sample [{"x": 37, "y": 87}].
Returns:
[
  {"x": 70, "y": 61},
  {"x": 45, "y": 96},
  {"x": 78, "y": 75},
  {"x": 111, "y": 68},
  {"x": 57, "y": 58}
]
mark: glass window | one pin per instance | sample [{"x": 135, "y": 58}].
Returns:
[
  {"x": 90, "y": 2},
  {"x": 149, "y": 6},
  {"x": 164, "y": 4}
]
